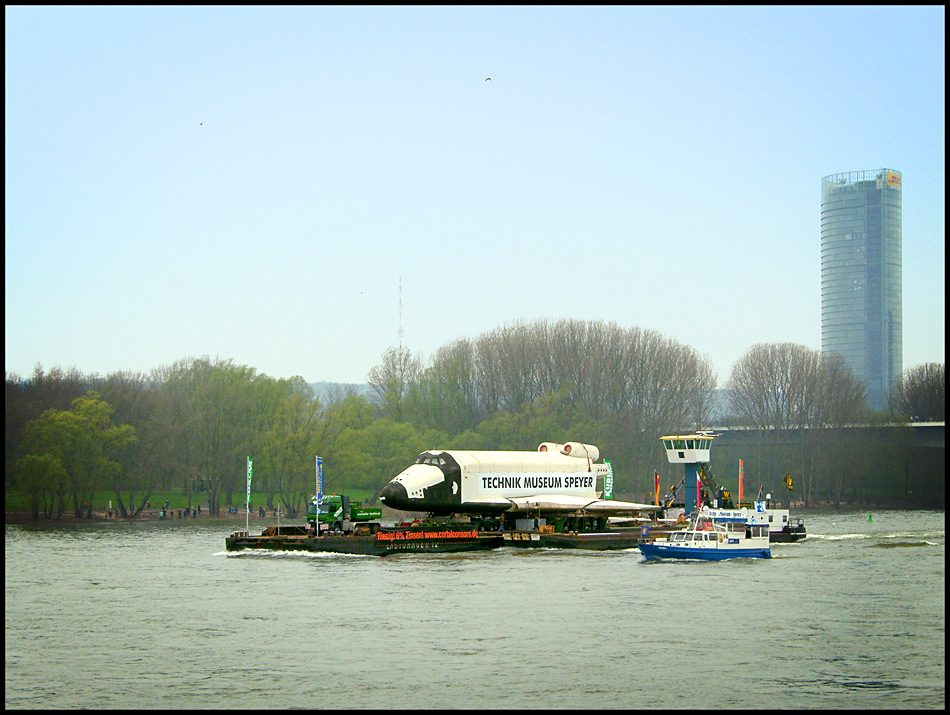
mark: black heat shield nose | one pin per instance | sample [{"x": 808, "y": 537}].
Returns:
[{"x": 395, "y": 496}]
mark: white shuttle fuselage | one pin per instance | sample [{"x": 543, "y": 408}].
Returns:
[{"x": 557, "y": 477}]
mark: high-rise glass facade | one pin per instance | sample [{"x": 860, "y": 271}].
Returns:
[{"x": 861, "y": 276}]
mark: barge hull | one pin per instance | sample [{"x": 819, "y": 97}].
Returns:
[
  {"x": 653, "y": 552},
  {"x": 387, "y": 542},
  {"x": 383, "y": 543},
  {"x": 786, "y": 537}
]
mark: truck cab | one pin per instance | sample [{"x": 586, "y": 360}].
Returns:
[{"x": 338, "y": 514}]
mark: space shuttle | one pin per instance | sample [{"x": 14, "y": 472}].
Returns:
[{"x": 556, "y": 478}]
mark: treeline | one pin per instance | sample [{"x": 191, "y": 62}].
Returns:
[
  {"x": 521, "y": 384},
  {"x": 191, "y": 425},
  {"x": 804, "y": 407},
  {"x": 188, "y": 427}
]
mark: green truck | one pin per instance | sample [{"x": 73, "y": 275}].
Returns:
[{"x": 340, "y": 515}]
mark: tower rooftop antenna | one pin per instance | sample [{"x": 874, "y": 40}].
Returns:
[{"x": 400, "y": 313}]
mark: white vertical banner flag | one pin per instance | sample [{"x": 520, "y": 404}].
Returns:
[
  {"x": 247, "y": 504},
  {"x": 250, "y": 473}
]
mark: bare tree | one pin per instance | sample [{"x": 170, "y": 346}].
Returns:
[
  {"x": 789, "y": 388},
  {"x": 392, "y": 379},
  {"x": 624, "y": 386},
  {"x": 842, "y": 402},
  {"x": 446, "y": 396},
  {"x": 920, "y": 393}
]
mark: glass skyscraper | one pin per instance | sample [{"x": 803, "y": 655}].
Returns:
[{"x": 861, "y": 276}]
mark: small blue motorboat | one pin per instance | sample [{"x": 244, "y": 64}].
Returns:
[{"x": 713, "y": 534}]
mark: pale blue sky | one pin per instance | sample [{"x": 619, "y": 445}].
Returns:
[{"x": 251, "y": 183}]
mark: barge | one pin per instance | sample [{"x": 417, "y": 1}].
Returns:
[
  {"x": 791, "y": 532},
  {"x": 427, "y": 537}
]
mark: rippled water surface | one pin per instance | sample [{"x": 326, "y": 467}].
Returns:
[{"x": 159, "y": 615}]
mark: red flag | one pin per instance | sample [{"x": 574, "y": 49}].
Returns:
[
  {"x": 656, "y": 490},
  {"x": 741, "y": 478},
  {"x": 699, "y": 491}
]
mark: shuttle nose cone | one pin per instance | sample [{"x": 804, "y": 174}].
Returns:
[{"x": 394, "y": 495}]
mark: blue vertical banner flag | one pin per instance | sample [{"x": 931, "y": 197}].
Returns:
[{"x": 319, "y": 480}]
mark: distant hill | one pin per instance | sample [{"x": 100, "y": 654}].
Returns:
[{"x": 330, "y": 391}]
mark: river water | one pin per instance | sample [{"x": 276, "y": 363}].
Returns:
[{"x": 158, "y": 615}]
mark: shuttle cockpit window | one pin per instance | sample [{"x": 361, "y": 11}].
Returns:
[{"x": 436, "y": 460}]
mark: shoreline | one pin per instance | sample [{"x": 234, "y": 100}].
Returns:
[
  {"x": 25, "y": 517},
  {"x": 98, "y": 517},
  {"x": 389, "y": 515}
]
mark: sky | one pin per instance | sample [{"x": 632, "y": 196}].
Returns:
[{"x": 290, "y": 187}]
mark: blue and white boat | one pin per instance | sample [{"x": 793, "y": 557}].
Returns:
[{"x": 713, "y": 534}]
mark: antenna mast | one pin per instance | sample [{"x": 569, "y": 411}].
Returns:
[{"x": 400, "y": 313}]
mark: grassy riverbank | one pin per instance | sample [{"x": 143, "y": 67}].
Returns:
[{"x": 17, "y": 508}]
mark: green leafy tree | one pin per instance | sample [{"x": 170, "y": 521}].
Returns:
[
  {"x": 27, "y": 399},
  {"x": 83, "y": 442},
  {"x": 221, "y": 411},
  {"x": 145, "y": 463},
  {"x": 288, "y": 447},
  {"x": 386, "y": 447},
  {"x": 38, "y": 476}
]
